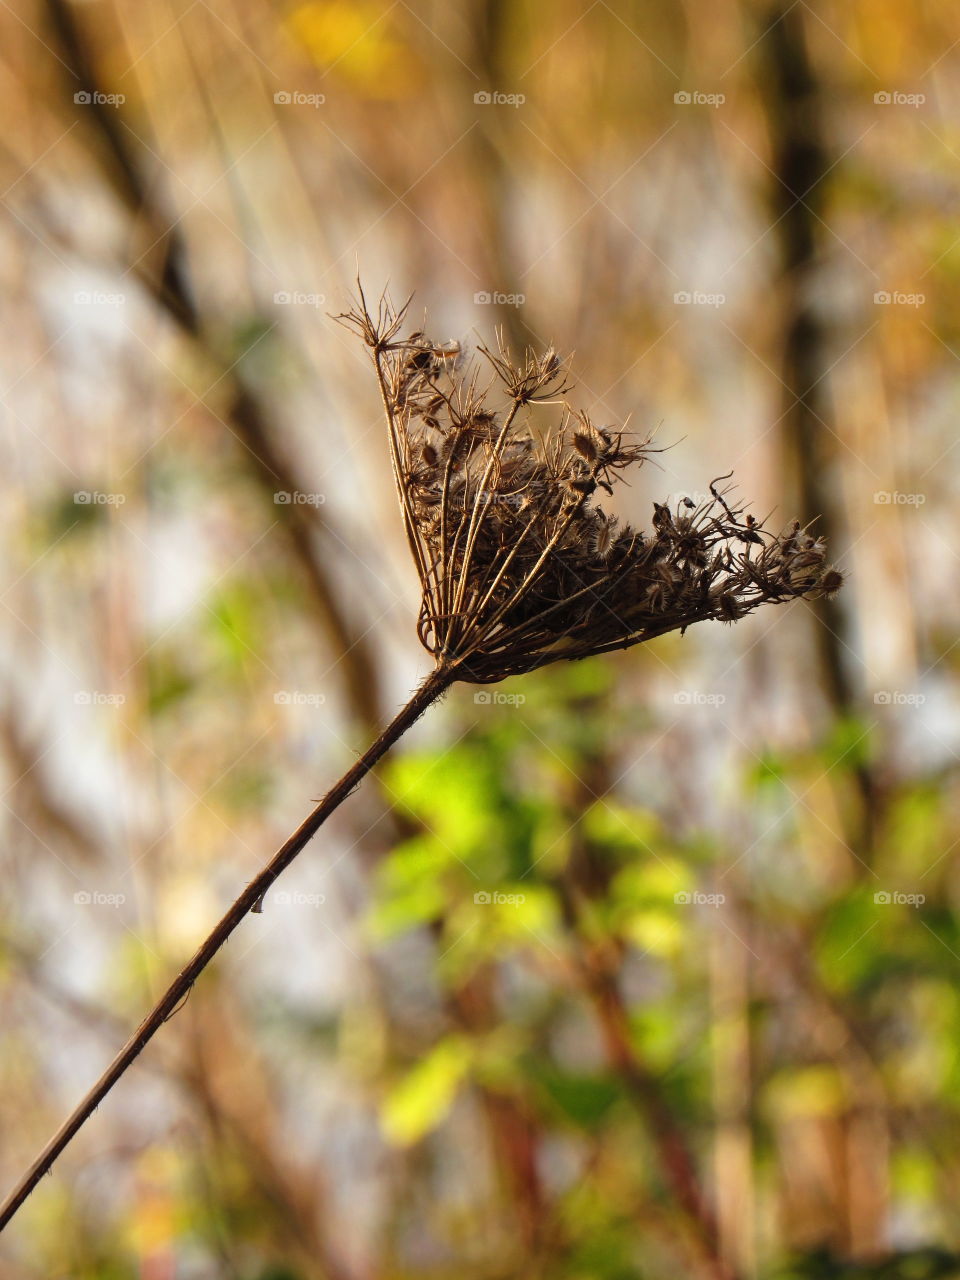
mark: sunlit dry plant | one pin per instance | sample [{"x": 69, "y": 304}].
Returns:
[
  {"x": 519, "y": 563},
  {"x": 520, "y": 566}
]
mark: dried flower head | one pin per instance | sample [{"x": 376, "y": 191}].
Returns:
[{"x": 519, "y": 566}]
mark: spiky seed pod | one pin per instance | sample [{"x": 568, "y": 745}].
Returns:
[
  {"x": 830, "y": 582},
  {"x": 518, "y": 567},
  {"x": 586, "y": 446},
  {"x": 604, "y": 536}
]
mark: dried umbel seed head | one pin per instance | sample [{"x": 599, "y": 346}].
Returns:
[{"x": 519, "y": 567}]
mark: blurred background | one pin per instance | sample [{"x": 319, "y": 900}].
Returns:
[{"x": 644, "y": 967}]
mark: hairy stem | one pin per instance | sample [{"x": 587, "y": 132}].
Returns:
[{"x": 432, "y": 687}]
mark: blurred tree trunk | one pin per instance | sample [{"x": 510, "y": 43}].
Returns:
[
  {"x": 164, "y": 270},
  {"x": 801, "y": 164},
  {"x": 492, "y": 181}
]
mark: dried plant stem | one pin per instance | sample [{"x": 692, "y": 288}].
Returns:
[{"x": 429, "y": 691}]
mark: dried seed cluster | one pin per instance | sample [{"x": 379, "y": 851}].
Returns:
[{"x": 520, "y": 566}]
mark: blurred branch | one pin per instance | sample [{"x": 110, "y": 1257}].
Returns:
[
  {"x": 678, "y": 1167},
  {"x": 515, "y": 1134},
  {"x": 866, "y": 1178},
  {"x": 238, "y": 1108},
  {"x": 489, "y": 171},
  {"x": 30, "y": 796},
  {"x": 586, "y": 879},
  {"x": 801, "y": 164},
  {"x": 249, "y": 900},
  {"x": 169, "y": 283},
  {"x": 274, "y": 1179},
  {"x": 734, "y": 1182}
]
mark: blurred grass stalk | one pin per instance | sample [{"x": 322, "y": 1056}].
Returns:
[{"x": 250, "y": 900}]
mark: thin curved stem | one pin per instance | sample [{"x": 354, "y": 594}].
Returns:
[{"x": 432, "y": 687}]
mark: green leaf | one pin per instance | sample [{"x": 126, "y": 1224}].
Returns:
[
  {"x": 583, "y": 1099},
  {"x": 410, "y": 887},
  {"x": 424, "y": 1096}
]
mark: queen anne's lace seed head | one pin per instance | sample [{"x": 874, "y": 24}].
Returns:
[{"x": 519, "y": 566}]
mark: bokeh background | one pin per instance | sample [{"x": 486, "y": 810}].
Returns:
[{"x": 637, "y": 968}]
